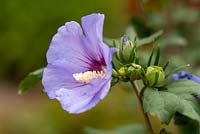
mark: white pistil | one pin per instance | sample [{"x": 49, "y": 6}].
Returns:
[{"x": 88, "y": 76}]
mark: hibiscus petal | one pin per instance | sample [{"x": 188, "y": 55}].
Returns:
[
  {"x": 55, "y": 78},
  {"x": 67, "y": 48},
  {"x": 93, "y": 102},
  {"x": 72, "y": 102},
  {"x": 93, "y": 27},
  {"x": 98, "y": 96},
  {"x": 81, "y": 99},
  {"x": 105, "y": 89},
  {"x": 107, "y": 54}
]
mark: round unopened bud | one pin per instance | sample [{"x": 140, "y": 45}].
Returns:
[
  {"x": 155, "y": 75},
  {"x": 134, "y": 71},
  {"x": 122, "y": 71},
  {"x": 127, "y": 50}
]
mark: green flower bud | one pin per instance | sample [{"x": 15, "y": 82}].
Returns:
[
  {"x": 155, "y": 75},
  {"x": 135, "y": 71},
  {"x": 127, "y": 50},
  {"x": 122, "y": 71}
]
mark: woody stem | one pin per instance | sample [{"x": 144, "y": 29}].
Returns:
[{"x": 139, "y": 96}]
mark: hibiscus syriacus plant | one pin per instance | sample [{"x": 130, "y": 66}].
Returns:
[{"x": 83, "y": 66}]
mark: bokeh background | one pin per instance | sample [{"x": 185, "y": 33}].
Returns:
[{"x": 26, "y": 29}]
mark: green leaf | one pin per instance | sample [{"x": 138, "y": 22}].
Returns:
[
  {"x": 30, "y": 81},
  {"x": 129, "y": 129},
  {"x": 151, "y": 39},
  {"x": 179, "y": 97},
  {"x": 173, "y": 39},
  {"x": 159, "y": 104}
]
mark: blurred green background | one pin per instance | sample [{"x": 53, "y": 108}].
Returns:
[
  {"x": 26, "y": 29},
  {"x": 28, "y": 26}
]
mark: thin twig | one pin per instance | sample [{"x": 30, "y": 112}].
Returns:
[{"x": 136, "y": 89}]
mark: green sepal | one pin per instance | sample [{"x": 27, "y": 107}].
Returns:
[
  {"x": 150, "y": 58},
  {"x": 157, "y": 57},
  {"x": 30, "y": 80},
  {"x": 165, "y": 65}
]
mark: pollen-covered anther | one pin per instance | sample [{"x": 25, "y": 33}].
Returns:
[{"x": 88, "y": 76}]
